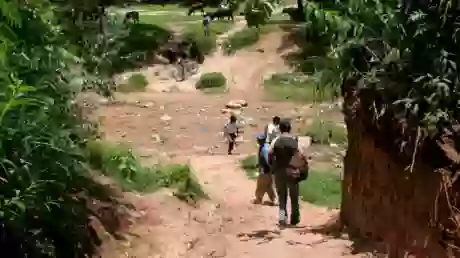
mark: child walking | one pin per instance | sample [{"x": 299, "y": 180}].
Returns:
[
  {"x": 265, "y": 178},
  {"x": 231, "y": 133}
]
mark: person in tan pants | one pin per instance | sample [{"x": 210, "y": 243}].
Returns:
[{"x": 265, "y": 178}]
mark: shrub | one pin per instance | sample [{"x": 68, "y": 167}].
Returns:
[
  {"x": 241, "y": 39},
  {"x": 44, "y": 183},
  {"x": 206, "y": 44},
  {"x": 211, "y": 80},
  {"x": 326, "y": 132},
  {"x": 136, "y": 82},
  {"x": 322, "y": 188},
  {"x": 298, "y": 87},
  {"x": 250, "y": 165},
  {"x": 119, "y": 162}
]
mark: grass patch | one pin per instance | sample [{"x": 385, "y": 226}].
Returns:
[
  {"x": 136, "y": 82},
  {"x": 250, "y": 166},
  {"x": 244, "y": 38},
  {"x": 119, "y": 162},
  {"x": 241, "y": 39},
  {"x": 215, "y": 81},
  {"x": 326, "y": 132},
  {"x": 206, "y": 44},
  {"x": 164, "y": 20},
  {"x": 215, "y": 27},
  {"x": 322, "y": 188},
  {"x": 298, "y": 88}
]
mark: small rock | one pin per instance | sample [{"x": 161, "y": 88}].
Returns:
[
  {"x": 156, "y": 137},
  {"x": 165, "y": 117},
  {"x": 237, "y": 104}
]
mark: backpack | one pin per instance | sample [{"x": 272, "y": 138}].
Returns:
[{"x": 298, "y": 165}]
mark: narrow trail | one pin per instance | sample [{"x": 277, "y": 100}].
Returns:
[{"x": 226, "y": 225}]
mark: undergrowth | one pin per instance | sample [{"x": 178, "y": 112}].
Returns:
[
  {"x": 323, "y": 188},
  {"x": 250, "y": 166},
  {"x": 119, "y": 162},
  {"x": 244, "y": 38},
  {"x": 326, "y": 132},
  {"x": 136, "y": 82},
  {"x": 298, "y": 88}
]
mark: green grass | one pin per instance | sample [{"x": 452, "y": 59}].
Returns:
[
  {"x": 249, "y": 165},
  {"x": 166, "y": 20},
  {"x": 326, "y": 132},
  {"x": 212, "y": 83},
  {"x": 215, "y": 27},
  {"x": 245, "y": 38},
  {"x": 136, "y": 82},
  {"x": 323, "y": 188},
  {"x": 297, "y": 88},
  {"x": 118, "y": 162}
]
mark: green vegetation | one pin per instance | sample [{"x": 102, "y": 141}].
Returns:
[
  {"x": 136, "y": 82},
  {"x": 241, "y": 39},
  {"x": 322, "y": 188},
  {"x": 168, "y": 19},
  {"x": 118, "y": 162},
  {"x": 44, "y": 183},
  {"x": 211, "y": 81},
  {"x": 250, "y": 166},
  {"x": 326, "y": 132},
  {"x": 299, "y": 88},
  {"x": 206, "y": 44},
  {"x": 382, "y": 45},
  {"x": 47, "y": 57}
]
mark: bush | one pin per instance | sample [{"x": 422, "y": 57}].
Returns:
[
  {"x": 118, "y": 162},
  {"x": 44, "y": 183},
  {"x": 326, "y": 132},
  {"x": 298, "y": 87},
  {"x": 250, "y": 165},
  {"x": 241, "y": 39},
  {"x": 139, "y": 46},
  {"x": 206, "y": 44},
  {"x": 322, "y": 188},
  {"x": 136, "y": 82},
  {"x": 211, "y": 80}
]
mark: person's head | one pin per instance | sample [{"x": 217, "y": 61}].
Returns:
[
  {"x": 260, "y": 139},
  {"x": 276, "y": 120},
  {"x": 232, "y": 119},
  {"x": 285, "y": 126}
]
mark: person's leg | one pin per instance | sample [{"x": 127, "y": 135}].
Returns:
[
  {"x": 281, "y": 190},
  {"x": 231, "y": 143},
  {"x": 294, "y": 196},
  {"x": 260, "y": 189},
  {"x": 269, "y": 188}
]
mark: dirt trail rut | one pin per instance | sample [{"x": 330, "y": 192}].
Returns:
[{"x": 226, "y": 225}]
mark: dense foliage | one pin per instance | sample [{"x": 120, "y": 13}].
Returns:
[
  {"x": 43, "y": 180},
  {"x": 409, "y": 54}
]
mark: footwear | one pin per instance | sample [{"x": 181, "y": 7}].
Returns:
[
  {"x": 295, "y": 219},
  {"x": 282, "y": 224},
  {"x": 256, "y": 202}
]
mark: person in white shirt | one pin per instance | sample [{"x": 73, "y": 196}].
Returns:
[
  {"x": 272, "y": 130},
  {"x": 231, "y": 133}
]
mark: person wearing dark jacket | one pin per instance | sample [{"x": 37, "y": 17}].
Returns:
[{"x": 281, "y": 153}]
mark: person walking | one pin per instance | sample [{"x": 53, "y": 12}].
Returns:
[
  {"x": 206, "y": 21},
  {"x": 265, "y": 177},
  {"x": 272, "y": 130},
  {"x": 231, "y": 133},
  {"x": 289, "y": 166}
]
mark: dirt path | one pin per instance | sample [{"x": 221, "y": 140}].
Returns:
[{"x": 185, "y": 125}]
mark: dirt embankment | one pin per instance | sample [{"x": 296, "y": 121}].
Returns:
[{"x": 413, "y": 213}]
